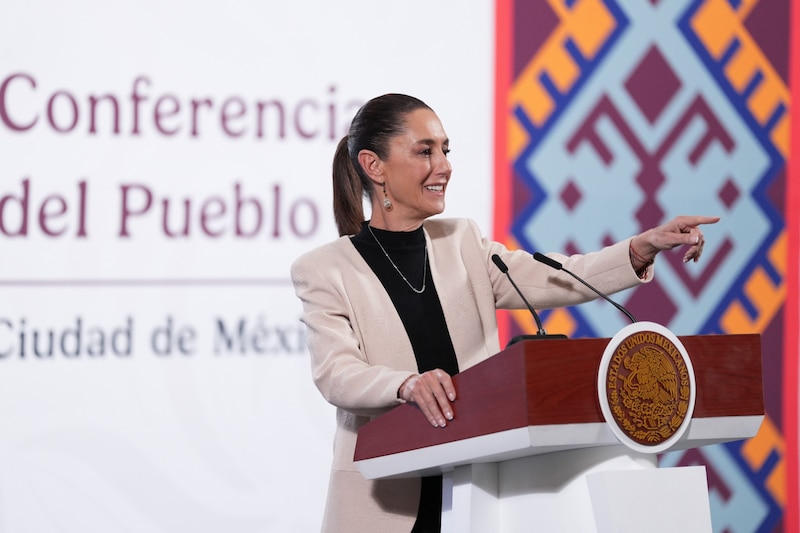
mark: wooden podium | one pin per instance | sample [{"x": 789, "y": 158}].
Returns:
[{"x": 529, "y": 448}]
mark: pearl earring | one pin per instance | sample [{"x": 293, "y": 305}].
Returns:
[{"x": 387, "y": 204}]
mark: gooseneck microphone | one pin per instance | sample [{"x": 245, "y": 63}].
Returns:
[
  {"x": 541, "y": 334},
  {"x": 552, "y": 263}
]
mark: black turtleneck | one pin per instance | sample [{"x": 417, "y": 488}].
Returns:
[
  {"x": 421, "y": 314},
  {"x": 423, "y": 319}
]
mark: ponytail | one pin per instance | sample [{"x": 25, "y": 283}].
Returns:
[
  {"x": 373, "y": 127},
  {"x": 348, "y": 192}
]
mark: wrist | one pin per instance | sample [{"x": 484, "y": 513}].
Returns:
[
  {"x": 409, "y": 382},
  {"x": 638, "y": 261}
]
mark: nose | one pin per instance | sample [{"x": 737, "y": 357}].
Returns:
[{"x": 441, "y": 165}]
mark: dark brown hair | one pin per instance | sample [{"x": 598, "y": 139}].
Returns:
[{"x": 372, "y": 128}]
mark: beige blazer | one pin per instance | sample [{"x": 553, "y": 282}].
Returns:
[{"x": 360, "y": 353}]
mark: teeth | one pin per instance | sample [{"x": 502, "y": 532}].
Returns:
[{"x": 436, "y": 188}]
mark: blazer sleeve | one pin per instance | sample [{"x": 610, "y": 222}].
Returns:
[
  {"x": 340, "y": 368},
  {"x": 609, "y": 270}
]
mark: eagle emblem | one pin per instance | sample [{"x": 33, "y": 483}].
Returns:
[{"x": 648, "y": 387}]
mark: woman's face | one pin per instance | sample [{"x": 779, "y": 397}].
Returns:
[{"x": 416, "y": 170}]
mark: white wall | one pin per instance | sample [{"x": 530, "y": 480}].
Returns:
[{"x": 176, "y": 395}]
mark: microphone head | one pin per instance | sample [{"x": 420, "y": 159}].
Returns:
[
  {"x": 500, "y": 264},
  {"x": 552, "y": 263}
]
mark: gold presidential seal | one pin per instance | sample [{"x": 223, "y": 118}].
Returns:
[{"x": 648, "y": 385}]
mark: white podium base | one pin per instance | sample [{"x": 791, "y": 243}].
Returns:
[{"x": 592, "y": 490}]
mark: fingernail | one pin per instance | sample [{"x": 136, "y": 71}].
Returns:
[
  {"x": 449, "y": 415},
  {"x": 452, "y": 396},
  {"x": 697, "y": 239},
  {"x": 442, "y": 423}
]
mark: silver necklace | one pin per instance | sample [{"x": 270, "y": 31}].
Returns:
[{"x": 424, "y": 265}]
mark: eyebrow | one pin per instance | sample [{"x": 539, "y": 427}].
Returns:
[{"x": 431, "y": 141}]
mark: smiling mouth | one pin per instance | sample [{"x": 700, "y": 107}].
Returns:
[{"x": 435, "y": 188}]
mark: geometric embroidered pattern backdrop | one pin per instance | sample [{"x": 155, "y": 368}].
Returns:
[{"x": 615, "y": 116}]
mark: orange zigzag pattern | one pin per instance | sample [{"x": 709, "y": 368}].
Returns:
[
  {"x": 764, "y": 295},
  {"x": 758, "y": 449},
  {"x": 718, "y": 24},
  {"x": 588, "y": 24}
]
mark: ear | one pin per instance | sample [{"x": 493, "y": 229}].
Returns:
[{"x": 371, "y": 163}]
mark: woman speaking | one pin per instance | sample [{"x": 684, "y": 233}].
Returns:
[{"x": 402, "y": 302}]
